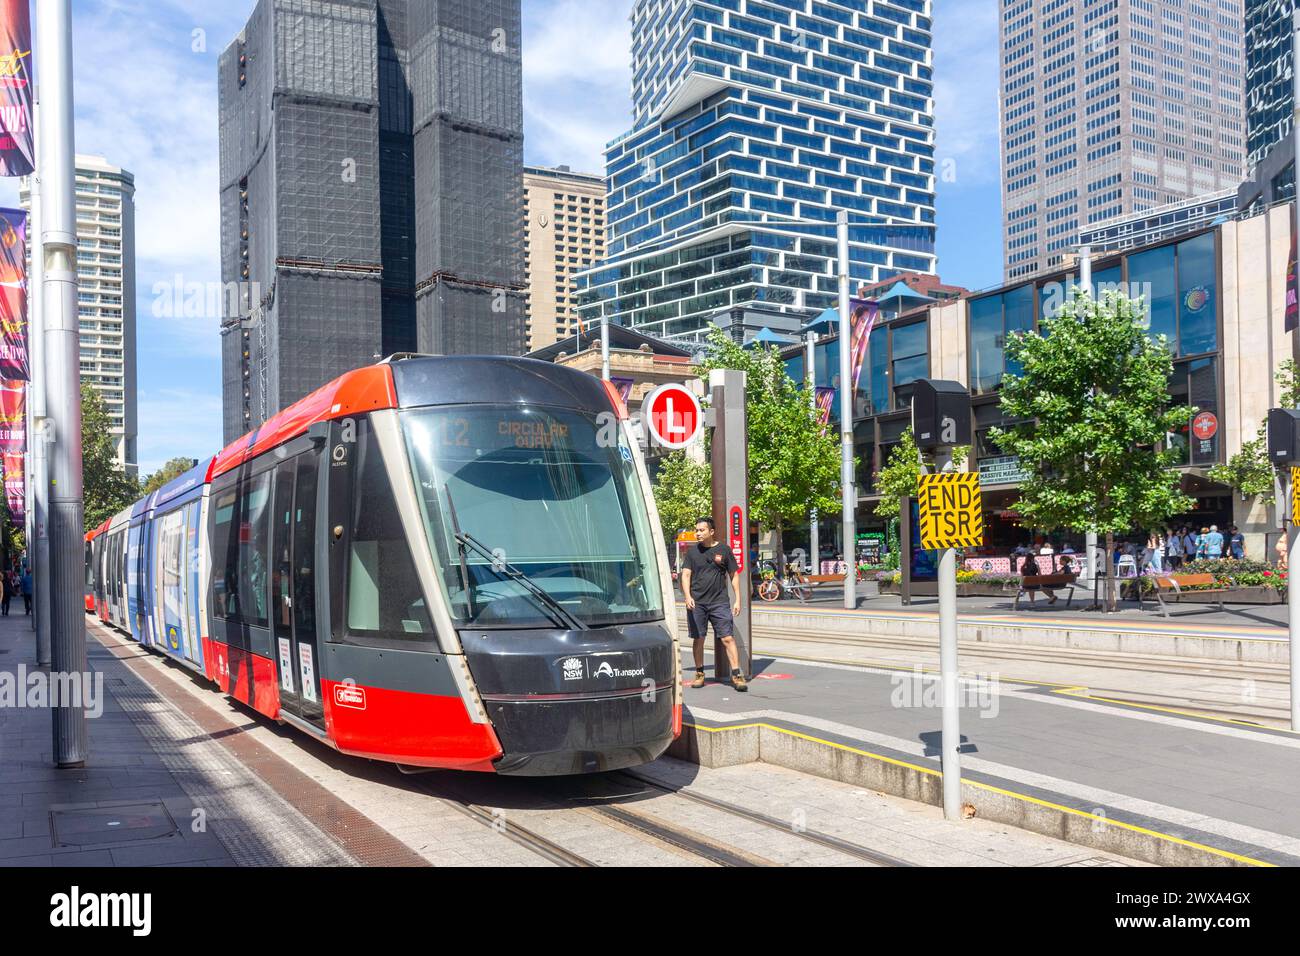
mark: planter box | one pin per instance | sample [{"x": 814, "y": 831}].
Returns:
[
  {"x": 1250, "y": 595},
  {"x": 964, "y": 589}
]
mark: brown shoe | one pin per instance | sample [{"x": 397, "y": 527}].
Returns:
[
  {"x": 699, "y": 679},
  {"x": 738, "y": 681}
]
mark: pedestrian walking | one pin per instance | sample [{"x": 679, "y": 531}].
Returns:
[
  {"x": 705, "y": 572},
  {"x": 1236, "y": 543},
  {"x": 5, "y": 593},
  {"x": 27, "y": 591},
  {"x": 1213, "y": 542},
  {"x": 1174, "y": 550}
]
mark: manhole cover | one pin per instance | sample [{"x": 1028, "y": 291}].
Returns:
[{"x": 130, "y": 822}]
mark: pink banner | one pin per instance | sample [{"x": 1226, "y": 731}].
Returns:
[
  {"x": 13, "y": 417},
  {"x": 864, "y": 315},
  {"x": 17, "y": 152},
  {"x": 15, "y": 487},
  {"x": 13, "y": 295}
]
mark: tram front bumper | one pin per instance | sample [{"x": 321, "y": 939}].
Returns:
[{"x": 568, "y": 702}]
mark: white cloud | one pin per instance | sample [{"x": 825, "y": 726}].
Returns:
[
  {"x": 577, "y": 80},
  {"x": 966, "y": 89}
]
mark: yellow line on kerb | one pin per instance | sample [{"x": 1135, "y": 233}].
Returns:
[{"x": 1108, "y": 821}]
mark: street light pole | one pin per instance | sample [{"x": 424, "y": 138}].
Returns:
[
  {"x": 56, "y": 155},
  {"x": 810, "y": 376},
  {"x": 1085, "y": 283},
  {"x": 604, "y": 347},
  {"x": 848, "y": 491}
]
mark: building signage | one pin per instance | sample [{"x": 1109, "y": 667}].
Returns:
[{"x": 1002, "y": 471}]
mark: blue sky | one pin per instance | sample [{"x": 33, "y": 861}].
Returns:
[{"x": 146, "y": 100}]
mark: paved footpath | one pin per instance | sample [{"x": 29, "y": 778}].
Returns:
[
  {"x": 180, "y": 775},
  {"x": 1224, "y": 784}
]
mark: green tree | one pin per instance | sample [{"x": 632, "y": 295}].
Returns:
[
  {"x": 1093, "y": 400},
  {"x": 794, "y": 461},
  {"x": 107, "y": 488},
  {"x": 1249, "y": 472},
  {"x": 898, "y": 477},
  {"x": 171, "y": 470},
  {"x": 683, "y": 492}
]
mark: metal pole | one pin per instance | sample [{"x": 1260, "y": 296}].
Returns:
[
  {"x": 1085, "y": 283},
  {"x": 848, "y": 493},
  {"x": 950, "y": 743},
  {"x": 604, "y": 347},
  {"x": 62, "y": 365},
  {"x": 810, "y": 364},
  {"x": 1293, "y": 606}
]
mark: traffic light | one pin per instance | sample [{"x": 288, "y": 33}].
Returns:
[
  {"x": 1284, "y": 436},
  {"x": 940, "y": 413}
]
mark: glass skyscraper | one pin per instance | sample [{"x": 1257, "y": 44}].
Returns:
[{"x": 756, "y": 122}]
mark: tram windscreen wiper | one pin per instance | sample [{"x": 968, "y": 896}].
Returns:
[{"x": 560, "y": 614}]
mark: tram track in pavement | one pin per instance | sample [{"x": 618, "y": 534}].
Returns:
[{"x": 855, "y": 850}]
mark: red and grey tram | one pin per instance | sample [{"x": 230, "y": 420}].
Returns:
[{"x": 438, "y": 562}]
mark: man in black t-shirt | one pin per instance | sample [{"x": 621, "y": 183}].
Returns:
[{"x": 705, "y": 571}]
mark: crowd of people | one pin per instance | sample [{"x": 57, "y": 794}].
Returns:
[{"x": 1174, "y": 547}]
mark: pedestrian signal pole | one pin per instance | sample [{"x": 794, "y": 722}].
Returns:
[
  {"x": 730, "y": 461},
  {"x": 951, "y": 517}
]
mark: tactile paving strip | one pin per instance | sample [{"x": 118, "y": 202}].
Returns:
[{"x": 265, "y": 811}]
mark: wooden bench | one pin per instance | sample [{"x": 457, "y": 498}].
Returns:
[
  {"x": 1032, "y": 583},
  {"x": 813, "y": 581},
  {"x": 1174, "y": 583}
]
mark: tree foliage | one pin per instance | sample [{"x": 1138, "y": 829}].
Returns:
[
  {"x": 898, "y": 476},
  {"x": 683, "y": 493},
  {"x": 794, "y": 461},
  {"x": 1250, "y": 472},
  {"x": 108, "y": 489},
  {"x": 171, "y": 470},
  {"x": 1092, "y": 401}
]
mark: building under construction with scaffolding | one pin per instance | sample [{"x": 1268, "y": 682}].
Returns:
[{"x": 371, "y": 190}]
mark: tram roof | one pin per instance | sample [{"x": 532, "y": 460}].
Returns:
[{"x": 411, "y": 382}]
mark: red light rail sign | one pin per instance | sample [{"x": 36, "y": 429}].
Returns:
[{"x": 673, "y": 416}]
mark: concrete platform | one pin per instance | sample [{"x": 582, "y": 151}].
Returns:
[
  {"x": 1184, "y": 636},
  {"x": 1145, "y": 782}
]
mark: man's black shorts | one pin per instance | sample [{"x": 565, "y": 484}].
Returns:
[{"x": 698, "y": 620}]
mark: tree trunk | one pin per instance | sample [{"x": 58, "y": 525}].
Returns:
[
  {"x": 780, "y": 549},
  {"x": 1112, "y": 595}
]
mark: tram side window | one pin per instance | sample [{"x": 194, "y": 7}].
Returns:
[
  {"x": 240, "y": 543},
  {"x": 384, "y": 595}
]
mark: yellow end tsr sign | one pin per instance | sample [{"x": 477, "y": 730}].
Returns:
[{"x": 952, "y": 512}]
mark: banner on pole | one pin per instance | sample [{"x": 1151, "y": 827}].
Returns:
[
  {"x": 1292, "y": 318},
  {"x": 13, "y": 417},
  {"x": 13, "y": 295},
  {"x": 17, "y": 147},
  {"x": 864, "y": 315},
  {"x": 16, "y": 486},
  {"x": 825, "y": 402}
]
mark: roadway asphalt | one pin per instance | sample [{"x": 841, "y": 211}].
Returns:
[{"x": 1221, "y": 783}]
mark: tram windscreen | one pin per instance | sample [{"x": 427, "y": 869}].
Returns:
[{"x": 553, "y": 494}]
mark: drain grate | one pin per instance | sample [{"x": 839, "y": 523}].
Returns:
[{"x": 95, "y": 825}]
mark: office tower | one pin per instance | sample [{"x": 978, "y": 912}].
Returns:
[
  {"x": 1112, "y": 108},
  {"x": 752, "y": 118},
  {"x": 371, "y": 190},
  {"x": 1270, "y": 105},
  {"x": 106, "y": 292},
  {"x": 564, "y": 233}
]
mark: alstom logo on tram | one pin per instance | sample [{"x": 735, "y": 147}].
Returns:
[{"x": 438, "y": 562}]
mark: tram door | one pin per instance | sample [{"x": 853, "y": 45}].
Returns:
[{"x": 294, "y": 586}]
